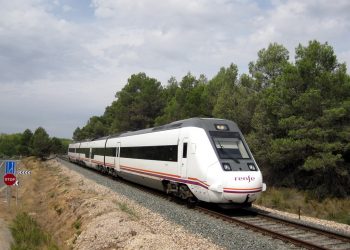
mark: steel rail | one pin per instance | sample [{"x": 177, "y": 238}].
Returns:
[
  {"x": 260, "y": 229},
  {"x": 333, "y": 235}
]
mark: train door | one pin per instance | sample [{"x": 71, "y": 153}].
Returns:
[
  {"x": 183, "y": 157},
  {"x": 89, "y": 156},
  {"x": 117, "y": 159},
  {"x": 78, "y": 150}
]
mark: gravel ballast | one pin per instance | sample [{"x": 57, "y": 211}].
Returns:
[
  {"x": 331, "y": 226},
  {"x": 220, "y": 233}
]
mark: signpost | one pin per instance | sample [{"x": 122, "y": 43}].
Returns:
[
  {"x": 10, "y": 167},
  {"x": 9, "y": 179}
]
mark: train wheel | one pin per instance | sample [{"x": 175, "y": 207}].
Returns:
[{"x": 192, "y": 202}]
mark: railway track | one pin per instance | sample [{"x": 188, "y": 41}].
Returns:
[{"x": 300, "y": 235}]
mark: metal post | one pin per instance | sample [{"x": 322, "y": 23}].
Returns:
[
  {"x": 9, "y": 197},
  {"x": 17, "y": 187},
  {"x": 2, "y": 163}
]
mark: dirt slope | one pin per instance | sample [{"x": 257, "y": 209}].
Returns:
[{"x": 81, "y": 214}]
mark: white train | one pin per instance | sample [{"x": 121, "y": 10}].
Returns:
[{"x": 202, "y": 159}]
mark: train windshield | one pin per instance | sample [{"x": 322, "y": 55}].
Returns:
[{"x": 231, "y": 148}]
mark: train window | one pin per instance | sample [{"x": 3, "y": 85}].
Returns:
[
  {"x": 158, "y": 153},
  {"x": 85, "y": 151},
  {"x": 184, "y": 152},
  {"x": 71, "y": 150},
  {"x": 230, "y": 148},
  {"x": 112, "y": 152},
  {"x": 97, "y": 151}
]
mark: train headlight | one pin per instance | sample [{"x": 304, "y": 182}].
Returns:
[
  {"x": 252, "y": 167},
  {"x": 223, "y": 127},
  {"x": 226, "y": 167}
]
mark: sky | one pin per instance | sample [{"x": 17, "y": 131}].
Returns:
[{"x": 62, "y": 61}]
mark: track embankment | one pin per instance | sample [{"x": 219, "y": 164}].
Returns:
[
  {"x": 219, "y": 232},
  {"x": 81, "y": 214}
]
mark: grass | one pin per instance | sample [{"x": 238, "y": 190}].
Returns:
[
  {"x": 77, "y": 224},
  {"x": 64, "y": 179},
  {"x": 28, "y": 235},
  {"x": 291, "y": 200},
  {"x": 125, "y": 208}
]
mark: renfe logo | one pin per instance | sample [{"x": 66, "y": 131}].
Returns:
[{"x": 245, "y": 178}]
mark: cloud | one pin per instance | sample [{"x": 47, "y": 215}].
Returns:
[
  {"x": 34, "y": 44},
  {"x": 63, "y": 61},
  {"x": 58, "y": 106},
  {"x": 66, "y": 8},
  {"x": 294, "y": 22},
  {"x": 172, "y": 36}
]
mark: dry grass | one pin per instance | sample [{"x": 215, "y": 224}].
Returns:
[
  {"x": 46, "y": 196},
  {"x": 291, "y": 200},
  {"x": 28, "y": 234},
  {"x": 125, "y": 208}
]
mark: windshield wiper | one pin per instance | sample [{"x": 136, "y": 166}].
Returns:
[{"x": 236, "y": 160}]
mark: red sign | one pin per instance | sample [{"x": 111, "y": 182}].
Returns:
[{"x": 9, "y": 179}]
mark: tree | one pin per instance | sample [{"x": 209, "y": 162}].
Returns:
[
  {"x": 95, "y": 128},
  {"x": 188, "y": 100},
  {"x": 168, "y": 93},
  {"x": 137, "y": 105},
  {"x": 236, "y": 99},
  {"x": 225, "y": 77},
  {"x": 295, "y": 115},
  {"x": 56, "y": 146},
  {"x": 302, "y": 125},
  {"x": 25, "y": 147},
  {"x": 77, "y": 134},
  {"x": 315, "y": 60},
  {"x": 9, "y": 145},
  {"x": 41, "y": 143},
  {"x": 226, "y": 101},
  {"x": 270, "y": 65}
]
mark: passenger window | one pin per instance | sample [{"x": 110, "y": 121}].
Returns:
[{"x": 184, "y": 151}]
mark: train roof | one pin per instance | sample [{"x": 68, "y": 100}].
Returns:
[{"x": 205, "y": 123}]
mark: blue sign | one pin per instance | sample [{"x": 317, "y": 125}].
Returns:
[{"x": 10, "y": 167}]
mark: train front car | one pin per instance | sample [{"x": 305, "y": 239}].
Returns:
[{"x": 233, "y": 178}]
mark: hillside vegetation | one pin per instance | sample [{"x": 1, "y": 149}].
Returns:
[
  {"x": 295, "y": 114},
  {"x": 25, "y": 144},
  {"x": 300, "y": 202}
]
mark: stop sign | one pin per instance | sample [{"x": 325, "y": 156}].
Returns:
[{"x": 9, "y": 179}]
